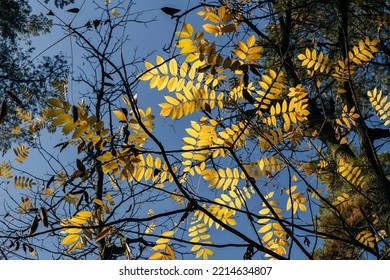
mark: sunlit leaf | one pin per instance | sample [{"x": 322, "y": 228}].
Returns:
[{"x": 71, "y": 238}]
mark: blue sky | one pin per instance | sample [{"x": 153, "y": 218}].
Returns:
[{"x": 144, "y": 39}]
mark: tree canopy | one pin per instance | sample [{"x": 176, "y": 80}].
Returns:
[
  {"x": 24, "y": 83},
  {"x": 281, "y": 112}
]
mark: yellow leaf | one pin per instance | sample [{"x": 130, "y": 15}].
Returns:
[
  {"x": 267, "y": 236},
  {"x": 289, "y": 204},
  {"x": 265, "y": 228},
  {"x": 154, "y": 81},
  {"x": 264, "y": 211},
  {"x": 278, "y": 109},
  {"x": 199, "y": 253},
  {"x": 151, "y": 68},
  {"x": 173, "y": 67},
  {"x": 70, "y": 239},
  {"x": 189, "y": 140},
  {"x": 267, "y": 79},
  {"x": 115, "y": 13},
  {"x": 108, "y": 196},
  {"x": 251, "y": 41},
  {"x": 75, "y": 246},
  {"x": 79, "y": 131},
  {"x": 196, "y": 248},
  {"x": 311, "y": 63},
  {"x": 187, "y": 155},
  {"x": 302, "y": 207},
  {"x": 196, "y": 239},
  {"x": 225, "y": 197},
  {"x": 231, "y": 222},
  {"x": 208, "y": 252},
  {"x": 213, "y": 17},
  {"x": 62, "y": 119},
  {"x": 188, "y": 28},
  {"x": 162, "y": 65},
  {"x": 146, "y": 76},
  {"x": 255, "y": 50},
  {"x": 77, "y": 221},
  {"x": 168, "y": 233},
  {"x": 287, "y": 123},
  {"x": 308, "y": 54},
  {"x": 156, "y": 256},
  {"x": 162, "y": 83},
  {"x": 192, "y": 132},
  {"x": 172, "y": 100},
  {"x": 159, "y": 247},
  {"x": 240, "y": 54},
  {"x": 120, "y": 115},
  {"x": 221, "y": 11},
  {"x": 170, "y": 253},
  {"x": 210, "y": 28},
  {"x": 277, "y": 226},
  {"x": 314, "y": 55},
  {"x": 295, "y": 207},
  {"x": 84, "y": 214},
  {"x": 183, "y": 43},
  {"x": 55, "y": 102},
  {"x": 205, "y": 236},
  {"x": 190, "y": 50},
  {"x": 165, "y": 109},
  {"x": 301, "y": 57},
  {"x": 73, "y": 230},
  {"x": 182, "y": 34},
  {"x": 243, "y": 46},
  {"x": 69, "y": 127},
  {"x": 98, "y": 202},
  {"x": 343, "y": 140},
  {"x": 162, "y": 241},
  {"x": 218, "y": 200},
  {"x": 293, "y": 188},
  {"x": 284, "y": 106}
]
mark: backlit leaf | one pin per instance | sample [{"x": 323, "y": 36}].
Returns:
[
  {"x": 120, "y": 115},
  {"x": 156, "y": 256},
  {"x": 71, "y": 238}
]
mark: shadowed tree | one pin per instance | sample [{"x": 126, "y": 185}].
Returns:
[{"x": 25, "y": 82}]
